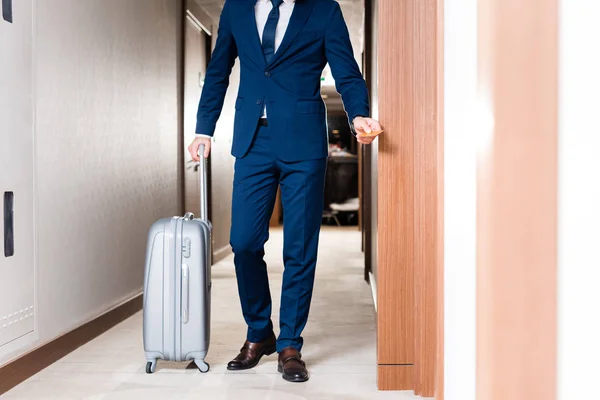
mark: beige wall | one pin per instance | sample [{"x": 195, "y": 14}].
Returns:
[{"x": 106, "y": 128}]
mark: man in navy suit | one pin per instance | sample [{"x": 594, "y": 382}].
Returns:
[{"x": 280, "y": 139}]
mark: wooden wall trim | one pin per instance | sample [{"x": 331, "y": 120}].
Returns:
[
  {"x": 439, "y": 288},
  {"x": 33, "y": 362}
]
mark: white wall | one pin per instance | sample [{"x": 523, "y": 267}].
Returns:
[
  {"x": 461, "y": 132},
  {"x": 106, "y": 119},
  {"x": 579, "y": 200}
]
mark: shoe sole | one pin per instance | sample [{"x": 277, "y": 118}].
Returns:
[
  {"x": 267, "y": 352},
  {"x": 294, "y": 380}
]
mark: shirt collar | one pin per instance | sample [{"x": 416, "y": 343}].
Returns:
[{"x": 285, "y": 1}]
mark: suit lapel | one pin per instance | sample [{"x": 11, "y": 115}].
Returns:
[
  {"x": 302, "y": 10},
  {"x": 250, "y": 31}
]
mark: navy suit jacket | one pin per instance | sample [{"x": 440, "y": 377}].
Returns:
[{"x": 289, "y": 85}]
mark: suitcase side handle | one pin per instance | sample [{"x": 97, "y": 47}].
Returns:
[
  {"x": 185, "y": 293},
  {"x": 203, "y": 184}
]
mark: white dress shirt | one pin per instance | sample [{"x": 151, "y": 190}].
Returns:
[{"x": 262, "y": 9}]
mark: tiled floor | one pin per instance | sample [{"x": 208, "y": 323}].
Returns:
[{"x": 339, "y": 345}]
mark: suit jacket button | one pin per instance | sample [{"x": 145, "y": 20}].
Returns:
[
  {"x": 258, "y": 102},
  {"x": 267, "y": 73}
]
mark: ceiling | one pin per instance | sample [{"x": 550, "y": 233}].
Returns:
[{"x": 353, "y": 11}]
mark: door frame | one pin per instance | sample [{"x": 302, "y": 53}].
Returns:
[{"x": 366, "y": 155}]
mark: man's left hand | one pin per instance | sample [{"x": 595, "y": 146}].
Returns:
[{"x": 365, "y": 126}]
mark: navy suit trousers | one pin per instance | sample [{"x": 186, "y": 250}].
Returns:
[{"x": 257, "y": 176}]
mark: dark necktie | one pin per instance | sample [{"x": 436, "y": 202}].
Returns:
[{"x": 268, "y": 39}]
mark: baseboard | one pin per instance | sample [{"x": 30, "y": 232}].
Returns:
[
  {"x": 31, "y": 363},
  {"x": 221, "y": 253}
]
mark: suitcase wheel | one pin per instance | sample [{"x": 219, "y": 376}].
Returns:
[
  {"x": 202, "y": 366},
  {"x": 150, "y": 367}
]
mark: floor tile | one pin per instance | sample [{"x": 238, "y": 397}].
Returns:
[{"x": 339, "y": 344}]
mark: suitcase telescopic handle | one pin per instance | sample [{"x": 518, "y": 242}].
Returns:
[{"x": 203, "y": 184}]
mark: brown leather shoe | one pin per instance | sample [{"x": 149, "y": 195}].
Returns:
[
  {"x": 291, "y": 366},
  {"x": 251, "y": 353}
]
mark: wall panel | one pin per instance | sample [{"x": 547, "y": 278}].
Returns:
[
  {"x": 409, "y": 211},
  {"x": 395, "y": 236},
  {"x": 427, "y": 176}
]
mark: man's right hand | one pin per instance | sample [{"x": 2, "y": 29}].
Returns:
[{"x": 193, "y": 147}]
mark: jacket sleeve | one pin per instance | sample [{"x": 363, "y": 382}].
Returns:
[
  {"x": 217, "y": 77},
  {"x": 348, "y": 78}
]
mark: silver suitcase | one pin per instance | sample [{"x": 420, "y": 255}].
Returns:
[{"x": 177, "y": 287}]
